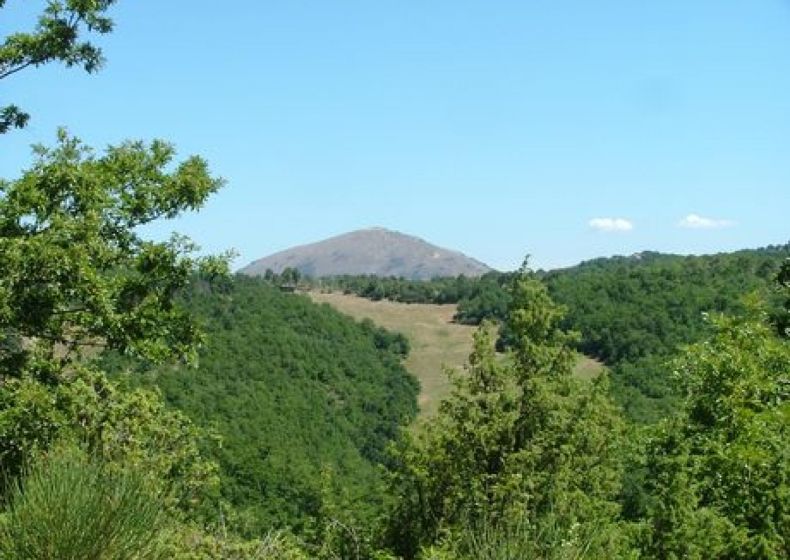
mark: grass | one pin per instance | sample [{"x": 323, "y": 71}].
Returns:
[
  {"x": 587, "y": 368},
  {"x": 436, "y": 342},
  {"x": 70, "y": 507}
]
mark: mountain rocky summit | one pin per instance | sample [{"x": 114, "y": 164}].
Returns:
[{"x": 376, "y": 251}]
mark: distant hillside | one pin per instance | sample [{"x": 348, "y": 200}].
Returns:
[
  {"x": 435, "y": 339},
  {"x": 295, "y": 390},
  {"x": 375, "y": 251},
  {"x": 633, "y": 312}
]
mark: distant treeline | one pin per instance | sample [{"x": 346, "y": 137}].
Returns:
[{"x": 632, "y": 312}]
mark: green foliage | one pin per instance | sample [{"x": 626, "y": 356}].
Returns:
[
  {"x": 387, "y": 341},
  {"x": 523, "y": 460},
  {"x": 634, "y": 313},
  {"x": 122, "y": 428},
  {"x": 294, "y": 390},
  {"x": 511, "y": 441},
  {"x": 720, "y": 471},
  {"x": 68, "y": 507},
  {"x": 56, "y": 38},
  {"x": 184, "y": 542},
  {"x": 782, "y": 316},
  {"x": 519, "y": 540},
  {"x": 437, "y": 290},
  {"x": 74, "y": 271},
  {"x": 489, "y": 301},
  {"x": 629, "y": 308},
  {"x": 77, "y": 278}
]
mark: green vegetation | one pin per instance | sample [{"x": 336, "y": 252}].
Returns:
[
  {"x": 71, "y": 508},
  {"x": 633, "y": 313},
  {"x": 435, "y": 340},
  {"x": 303, "y": 399},
  {"x": 719, "y": 471},
  {"x": 636, "y": 313},
  {"x": 76, "y": 274},
  {"x": 152, "y": 406},
  {"x": 781, "y": 316},
  {"x": 120, "y": 427},
  {"x": 76, "y": 278},
  {"x": 508, "y": 447},
  {"x": 438, "y": 290},
  {"x": 56, "y": 38}
]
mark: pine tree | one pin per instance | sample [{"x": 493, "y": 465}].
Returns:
[{"x": 520, "y": 448}]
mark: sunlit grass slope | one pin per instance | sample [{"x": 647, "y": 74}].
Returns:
[{"x": 436, "y": 342}]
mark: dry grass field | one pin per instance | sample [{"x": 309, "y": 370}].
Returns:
[{"x": 436, "y": 342}]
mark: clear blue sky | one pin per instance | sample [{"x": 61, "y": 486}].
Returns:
[{"x": 496, "y": 128}]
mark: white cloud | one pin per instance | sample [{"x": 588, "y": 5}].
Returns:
[
  {"x": 695, "y": 221},
  {"x": 611, "y": 224}
]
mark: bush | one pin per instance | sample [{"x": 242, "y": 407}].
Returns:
[
  {"x": 194, "y": 543},
  {"x": 520, "y": 539},
  {"x": 124, "y": 428},
  {"x": 69, "y": 506}
]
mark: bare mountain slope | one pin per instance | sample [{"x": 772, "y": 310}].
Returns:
[{"x": 376, "y": 251}]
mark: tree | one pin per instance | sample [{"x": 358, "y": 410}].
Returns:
[
  {"x": 289, "y": 277},
  {"x": 75, "y": 272},
  {"x": 783, "y": 315},
  {"x": 57, "y": 37},
  {"x": 506, "y": 450},
  {"x": 720, "y": 472},
  {"x": 77, "y": 277},
  {"x": 122, "y": 428}
]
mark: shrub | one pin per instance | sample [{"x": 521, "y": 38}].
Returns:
[{"x": 68, "y": 506}]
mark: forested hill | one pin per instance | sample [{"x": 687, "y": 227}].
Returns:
[
  {"x": 304, "y": 400},
  {"x": 630, "y": 307},
  {"x": 633, "y": 312}
]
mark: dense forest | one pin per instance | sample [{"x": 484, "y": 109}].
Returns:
[
  {"x": 302, "y": 399},
  {"x": 154, "y": 406},
  {"x": 635, "y": 313}
]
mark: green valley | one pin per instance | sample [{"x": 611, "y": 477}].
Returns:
[
  {"x": 437, "y": 341},
  {"x": 374, "y": 395}
]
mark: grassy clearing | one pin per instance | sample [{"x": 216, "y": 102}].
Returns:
[
  {"x": 587, "y": 368},
  {"x": 436, "y": 342}
]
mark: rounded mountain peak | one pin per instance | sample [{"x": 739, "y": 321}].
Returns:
[{"x": 376, "y": 251}]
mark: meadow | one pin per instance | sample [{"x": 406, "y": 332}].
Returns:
[{"x": 437, "y": 342}]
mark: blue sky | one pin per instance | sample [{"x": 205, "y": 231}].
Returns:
[{"x": 498, "y": 128}]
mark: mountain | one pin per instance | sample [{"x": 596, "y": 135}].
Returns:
[{"x": 376, "y": 251}]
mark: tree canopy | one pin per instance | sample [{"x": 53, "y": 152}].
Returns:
[
  {"x": 304, "y": 399},
  {"x": 507, "y": 448},
  {"x": 720, "y": 470},
  {"x": 57, "y": 37},
  {"x": 75, "y": 272}
]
